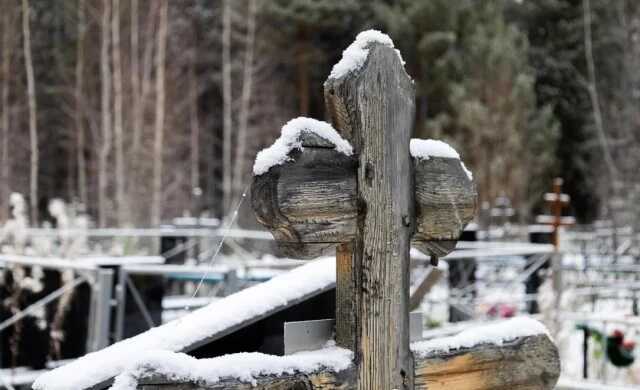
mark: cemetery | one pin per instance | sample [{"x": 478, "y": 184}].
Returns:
[{"x": 356, "y": 255}]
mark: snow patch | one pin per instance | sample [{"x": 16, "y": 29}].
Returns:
[
  {"x": 466, "y": 170},
  {"x": 289, "y": 139},
  {"x": 245, "y": 367},
  {"x": 354, "y": 56},
  {"x": 490, "y": 334},
  {"x": 427, "y": 148},
  {"x": 97, "y": 367}
]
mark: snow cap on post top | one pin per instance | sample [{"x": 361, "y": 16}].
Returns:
[{"x": 354, "y": 56}]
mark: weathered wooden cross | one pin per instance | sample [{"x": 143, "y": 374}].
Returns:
[{"x": 370, "y": 206}]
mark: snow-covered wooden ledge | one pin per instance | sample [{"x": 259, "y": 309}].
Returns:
[
  {"x": 515, "y": 354},
  {"x": 208, "y": 324}
]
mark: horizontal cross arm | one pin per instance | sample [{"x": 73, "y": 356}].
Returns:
[
  {"x": 310, "y": 202},
  {"x": 552, "y": 220},
  {"x": 553, "y": 197}
]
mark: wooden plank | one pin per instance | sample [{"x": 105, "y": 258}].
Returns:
[
  {"x": 429, "y": 280},
  {"x": 378, "y": 121},
  {"x": 346, "y": 285},
  {"x": 526, "y": 363},
  {"x": 318, "y": 381}
]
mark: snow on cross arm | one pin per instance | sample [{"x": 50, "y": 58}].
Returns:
[
  {"x": 426, "y": 148},
  {"x": 278, "y": 152},
  {"x": 496, "y": 334},
  {"x": 354, "y": 56}
]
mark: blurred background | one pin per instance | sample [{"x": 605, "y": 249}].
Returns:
[
  {"x": 128, "y": 131},
  {"x": 141, "y": 111}
]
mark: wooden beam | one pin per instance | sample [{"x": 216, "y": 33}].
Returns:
[
  {"x": 379, "y": 101},
  {"x": 426, "y": 284},
  {"x": 346, "y": 285},
  {"x": 310, "y": 203},
  {"x": 526, "y": 363},
  {"x": 320, "y": 380}
]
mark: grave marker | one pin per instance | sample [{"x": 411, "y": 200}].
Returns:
[
  {"x": 370, "y": 205},
  {"x": 557, "y": 201}
]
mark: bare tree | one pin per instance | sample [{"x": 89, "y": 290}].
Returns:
[
  {"x": 226, "y": 105},
  {"x": 105, "y": 86},
  {"x": 33, "y": 124},
  {"x": 592, "y": 87},
  {"x": 136, "y": 107},
  {"x": 195, "y": 125},
  {"x": 79, "y": 98},
  {"x": 156, "y": 204},
  {"x": 245, "y": 103},
  {"x": 145, "y": 82},
  {"x": 5, "y": 189},
  {"x": 593, "y": 90},
  {"x": 135, "y": 67},
  {"x": 118, "y": 120}
]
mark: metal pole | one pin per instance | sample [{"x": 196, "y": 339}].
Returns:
[
  {"x": 585, "y": 353},
  {"x": 137, "y": 297},
  {"x": 100, "y": 312},
  {"x": 121, "y": 302}
]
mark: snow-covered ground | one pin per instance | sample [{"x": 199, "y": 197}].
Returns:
[{"x": 499, "y": 291}]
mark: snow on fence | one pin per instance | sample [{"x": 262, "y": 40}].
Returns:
[{"x": 195, "y": 329}]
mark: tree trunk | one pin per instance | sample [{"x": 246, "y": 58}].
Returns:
[
  {"x": 593, "y": 92},
  {"x": 105, "y": 86},
  {"x": 139, "y": 126},
  {"x": 122, "y": 209},
  {"x": 136, "y": 109},
  {"x": 599, "y": 125},
  {"x": 33, "y": 125},
  {"x": 302, "y": 60},
  {"x": 156, "y": 211},
  {"x": 79, "y": 97},
  {"x": 226, "y": 103},
  {"x": 195, "y": 131},
  {"x": 245, "y": 105},
  {"x": 135, "y": 71},
  {"x": 5, "y": 185}
]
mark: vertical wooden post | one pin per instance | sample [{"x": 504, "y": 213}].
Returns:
[
  {"x": 374, "y": 109},
  {"x": 557, "y": 211},
  {"x": 345, "y": 296}
]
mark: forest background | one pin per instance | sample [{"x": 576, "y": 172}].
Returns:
[{"x": 138, "y": 111}]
